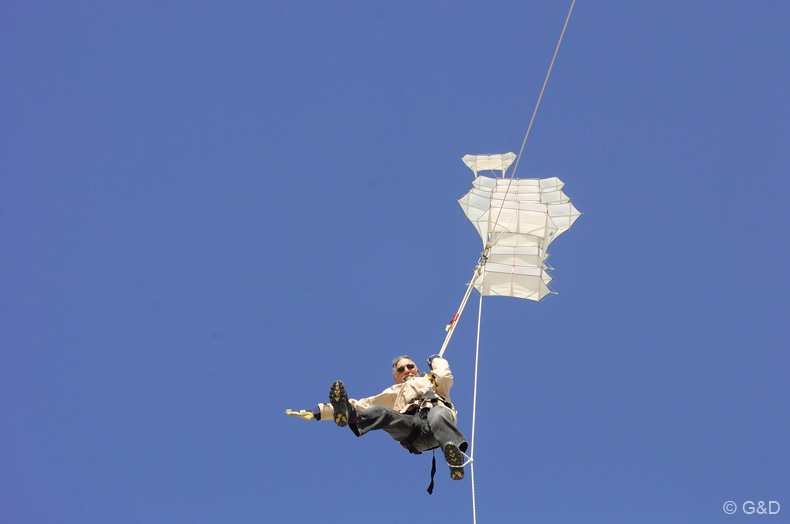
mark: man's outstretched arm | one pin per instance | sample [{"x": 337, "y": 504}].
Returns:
[{"x": 315, "y": 413}]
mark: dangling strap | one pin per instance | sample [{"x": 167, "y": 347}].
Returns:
[{"x": 433, "y": 472}]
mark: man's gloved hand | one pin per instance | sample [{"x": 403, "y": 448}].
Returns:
[
  {"x": 302, "y": 413},
  {"x": 430, "y": 360}
]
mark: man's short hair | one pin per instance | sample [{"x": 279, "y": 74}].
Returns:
[{"x": 395, "y": 363}]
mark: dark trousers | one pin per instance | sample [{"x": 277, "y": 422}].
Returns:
[{"x": 422, "y": 430}]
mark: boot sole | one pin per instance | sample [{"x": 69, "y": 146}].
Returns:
[
  {"x": 455, "y": 459},
  {"x": 339, "y": 400}
]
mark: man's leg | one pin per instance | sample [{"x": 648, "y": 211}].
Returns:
[
  {"x": 400, "y": 426},
  {"x": 452, "y": 441},
  {"x": 442, "y": 424}
]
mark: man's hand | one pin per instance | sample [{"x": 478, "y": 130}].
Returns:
[
  {"x": 430, "y": 360},
  {"x": 302, "y": 413}
]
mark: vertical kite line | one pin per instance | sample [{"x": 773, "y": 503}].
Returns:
[
  {"x": 482, "y": 261},
  {"x": 474, "y": 410}
]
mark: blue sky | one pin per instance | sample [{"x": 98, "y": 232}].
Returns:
[{"x": 209, "y": 212}]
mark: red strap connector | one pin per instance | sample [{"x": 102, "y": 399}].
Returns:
[{"x": 452, "y": 322}]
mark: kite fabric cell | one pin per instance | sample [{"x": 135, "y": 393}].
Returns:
[{"x": 518, "y": 219}]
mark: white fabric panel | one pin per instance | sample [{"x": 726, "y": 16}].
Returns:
[
  {"x": 531, "y": 256},
  {"x": 485, "y": 183},
  {"x": 524, "y": 218},
  {"x": 520, "y": 217},
  {"x": 489, "y": 162},
  {"x": 529, "y": 285}
]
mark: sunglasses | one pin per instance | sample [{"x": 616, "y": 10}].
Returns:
[{"x": 403, "y": 368}]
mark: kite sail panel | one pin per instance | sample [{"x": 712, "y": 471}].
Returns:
[
  {"x": 517, "y": 219},
  {"x": 489, "y": 162}
]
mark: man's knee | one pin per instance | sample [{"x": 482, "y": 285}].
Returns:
[
  {"x": 374, "y": 410},
  {"x": 377, "y": 417}
]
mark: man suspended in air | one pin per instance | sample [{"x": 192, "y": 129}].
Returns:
[{"x": 416, "y": 411}]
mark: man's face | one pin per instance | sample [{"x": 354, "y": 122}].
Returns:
[{"x": 402, "y": 371}]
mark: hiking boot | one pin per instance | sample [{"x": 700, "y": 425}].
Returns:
[
  {"x": 455, "y": 459},
  {"x": 339, "y": 400}
]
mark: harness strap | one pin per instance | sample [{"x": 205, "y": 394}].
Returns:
[
  {"x": 433, "y": 472},
  {"x": 433, "y": 397}
]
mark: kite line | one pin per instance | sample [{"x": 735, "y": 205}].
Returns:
[
  {"x": 478, "y": 271},
  {"x": 531, "y": 120}
]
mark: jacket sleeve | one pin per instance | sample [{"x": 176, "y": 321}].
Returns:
[
  {"x": 443, "y": 377},
  {"x": 327, "y": 412},
  {"x": 386, "y": 398}
]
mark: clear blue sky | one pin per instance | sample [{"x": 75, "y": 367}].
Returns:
[{"x": 210, "y": 211}]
